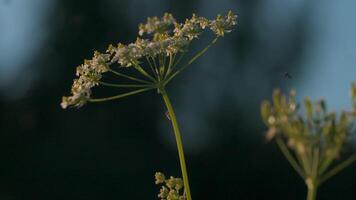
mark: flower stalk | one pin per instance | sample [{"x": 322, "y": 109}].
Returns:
[
  {"x": 312, "y": 191},
  {"x": 157, "y": 60},
  {"x": 179, "y": 142}
]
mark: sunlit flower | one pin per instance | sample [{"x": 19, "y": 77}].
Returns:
[
  {"x": 156, "y": 55},
  {"x": 164, "y": 39},
  {"x": 156, "y": 25},
  {"x": 223, "y": 24},
  {"x": 89, "y": 75}
]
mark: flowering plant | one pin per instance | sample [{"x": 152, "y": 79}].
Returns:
[
  {"x": 315, "y": 140},
  {"x": 154, "y": 61},
  {"x": 171, "y": 188}
]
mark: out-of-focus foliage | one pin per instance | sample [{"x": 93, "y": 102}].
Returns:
[
  {"x": 316, "y": 138},
  {"x": 320, "y": 128}
]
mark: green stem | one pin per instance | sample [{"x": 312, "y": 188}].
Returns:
[
  {"x": 312, "y": 192},
  {"x": 151, "y": 66},
  {"x": 312, "y": 181},
  {"x": 306, "y": 161},
  {"x": 179, "y": 143},
  {"x": 325, "y": 164},
  {"x": 315, "y": 161},
  {"x": 338, "y": 168},
  {"x": 128, "y": 77},
  {"x": 193, "y": 59},
  {"x": 181, "y": 56},
  {"x": 155, "y": 67},
  {"x": 289, "y": 157},
  {"x": 164, "y": 65},
  {"x": 171, "y": 60},
  {"x": 119, "y": 96},
  {"x": 124, "y": 85},
  {"x": 142, "y": 71}
]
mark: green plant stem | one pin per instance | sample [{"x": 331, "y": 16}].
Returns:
[
  {"x": 125, "y": 85},
  {"x": 312, "y": 192},
  {"x": 128, "y": 77},
  {"x": 171, "y": 60},
  {"x": 312, "y": 181},
  {"x": 119, "y": 96},
  {"x": 325, "y": 164},
  {"x": 200, "y": 53},
  {"x": 289, "y": 157},
  {"x": 175, "y": 63},
  {"x": 139, "y": 68},
  {"x": 155, "y": 67},
  {"x": 338, "y": 168},
  {"x": 179, "y": 142},
  {"x": 151, "y": 66}
]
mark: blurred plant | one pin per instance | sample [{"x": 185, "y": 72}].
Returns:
[
  {"x": 153, "y": 62},
  {"x": 316, "y": 140}
]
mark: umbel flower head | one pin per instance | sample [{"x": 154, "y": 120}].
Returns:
[
  {"x": 321, "y": 128},
  {"x": 311, "y": 142},
  {"x": 156, "y": 55}
]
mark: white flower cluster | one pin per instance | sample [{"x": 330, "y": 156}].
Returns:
[
  {"x": 88, "y": 74},
  {"x": 192, "y": 27},
  {"x": 167, "y": 38},
  {"x": 171, "y": 189},
  {"x": 156, "y": 25},
  {"x": 127, "y": 55},
  {"x": 223, "y": 24}
]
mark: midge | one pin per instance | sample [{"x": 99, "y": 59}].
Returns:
[{"x": 287, "y": 75}]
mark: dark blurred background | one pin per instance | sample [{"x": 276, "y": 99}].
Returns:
[{"x": 112, "y": 150}]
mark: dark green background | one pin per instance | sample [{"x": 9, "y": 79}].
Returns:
[{"x": 112, "y": 150}]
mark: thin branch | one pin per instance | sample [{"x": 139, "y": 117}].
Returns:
[
  {"x": 289, "y": 157},
  {"x": 338, "y": 168},
  {"x": 142, "y": 71},
  {"x": 171, "y": 60},
  {"x": 129, "y": 77},
  {"x": 155, "y": 67},
  {"x": 177, "y": 62},
  {"x": 192, "y": 60},
  {"x": 119, "y": 96},
  {"x": 161, "y": 64},
  {"x": 151, "y": 66},
  {"x": 315, "y": 161},
  {"x": 164, "y": 64},
  {"x": 325, "y": 164},
  {"x": 124, "y": 85}
]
